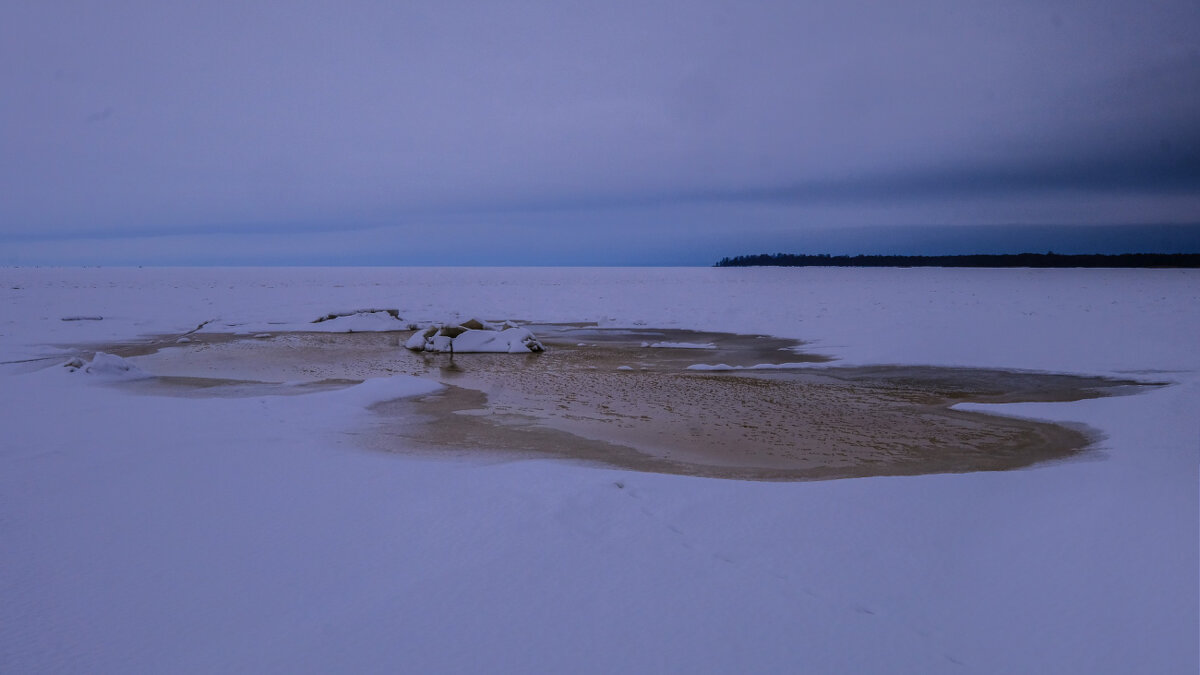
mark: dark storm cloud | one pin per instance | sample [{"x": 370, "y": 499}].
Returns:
[
  {"x": 1161, "y": 168},
  {"x": 145, "y": 119}
]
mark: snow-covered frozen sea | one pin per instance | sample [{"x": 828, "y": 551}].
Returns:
[{"x": 154, "y": 534}]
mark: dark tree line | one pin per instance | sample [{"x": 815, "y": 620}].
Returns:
[{"x": 1006, "y": 260}]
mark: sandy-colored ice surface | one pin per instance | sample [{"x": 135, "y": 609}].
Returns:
[{"x": 617, "y": 397}]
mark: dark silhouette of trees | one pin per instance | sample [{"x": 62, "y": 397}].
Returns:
[{"x": 1045, "y": 260}]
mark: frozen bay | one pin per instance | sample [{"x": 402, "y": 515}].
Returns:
[{"x": 152, "y": 533}]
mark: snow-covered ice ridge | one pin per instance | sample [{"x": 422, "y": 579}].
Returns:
[
  {"x": 213, "y": 535},
  {"x": 759, "y": 366},
  {"x": 475, "y": 336}
]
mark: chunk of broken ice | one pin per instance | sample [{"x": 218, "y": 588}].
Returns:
[{"x": 466, "y": 338}]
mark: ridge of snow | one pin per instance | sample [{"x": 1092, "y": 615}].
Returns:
[{"x": 759, "y": 366}]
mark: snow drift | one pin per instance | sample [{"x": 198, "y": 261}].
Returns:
[{"x": 107, "y": 365}]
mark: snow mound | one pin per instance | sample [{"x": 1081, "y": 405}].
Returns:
[
  {"x": 475, "y": 336},
  {"x": 108, "y": 365}
]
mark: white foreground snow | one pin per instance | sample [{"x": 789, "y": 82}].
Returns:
[{"x": 156, "y": 534}]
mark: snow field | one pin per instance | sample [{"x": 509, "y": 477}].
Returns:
[{"x": 198, "y": 535}]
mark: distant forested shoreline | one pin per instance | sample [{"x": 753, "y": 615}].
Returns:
[{"x": 1126, "y": 260}]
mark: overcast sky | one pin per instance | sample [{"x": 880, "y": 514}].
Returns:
[{"x": 613, "y": 132}]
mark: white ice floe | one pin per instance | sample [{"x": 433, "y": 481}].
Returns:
[
  {"x": 681, "y": 345},
  {"x": 759, "y": 366},
  {"x": 475, "y": 336},
  {"x": 108, "y": 365}
]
